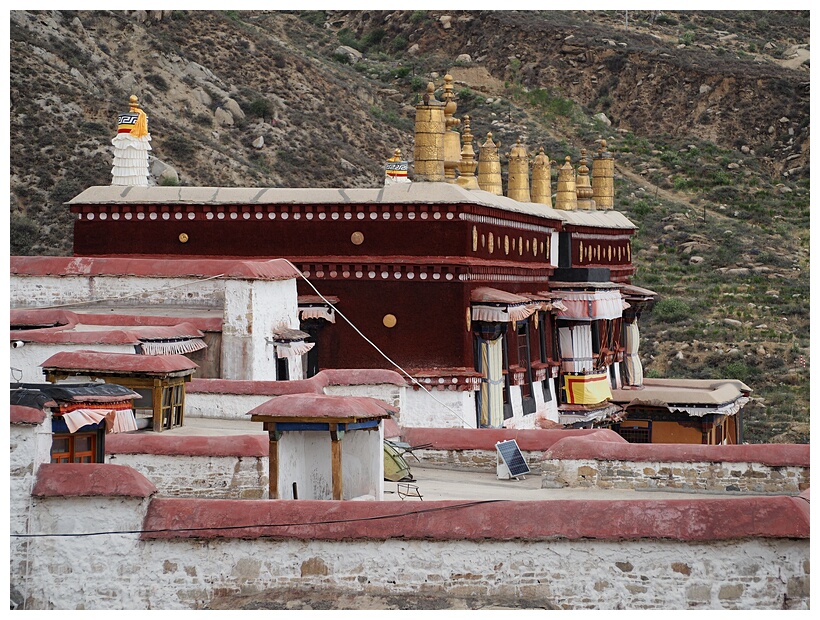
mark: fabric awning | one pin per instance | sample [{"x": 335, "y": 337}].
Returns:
[
  {"x": 294, "y": 348},
  {"x": 495, "y": 306},
  {"x": 317, "y": 312},
  {"x": 592, "y": 305},
  {"x": 172, "y": 347},
  {"x": 116, "y": 421}
]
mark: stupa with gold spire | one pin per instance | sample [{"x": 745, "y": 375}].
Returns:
[{"x": 131, "y": 147}]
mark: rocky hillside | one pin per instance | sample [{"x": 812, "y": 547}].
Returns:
[{"x": 707, "y": 113}]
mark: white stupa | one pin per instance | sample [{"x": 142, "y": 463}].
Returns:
[{"x": 131, "y": 147}]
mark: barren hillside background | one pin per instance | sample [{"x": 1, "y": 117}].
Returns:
[{"x": 707, "y": 114}]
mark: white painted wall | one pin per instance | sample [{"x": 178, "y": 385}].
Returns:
[
  {"x": 253, "y": 310},
  {"x": 48, "y": 291},
  {"x": 438, "y": 409},
  {"x": 305, "y": 458},
  {"x": 543, "y": 409},
  {"x": 122, "y": 573},
  {"x": 237, "y": 406},
  {"x": 213, "y": 477},
  {"x": 30, "y": 356}
]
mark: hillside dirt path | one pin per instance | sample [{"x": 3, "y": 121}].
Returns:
[{"x": 659, "y": 192}]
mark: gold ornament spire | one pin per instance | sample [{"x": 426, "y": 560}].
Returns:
[
  {"x": 452, "y": 139},
  {"x": 583, "y": 189},
  {"x": 489, "y": 167},
  {"x": 428, "y": 152},
  {"x": 541, "y": 179},
  {"x": 467, "y": 165},
  {"x": 603, "y": 178},
  {"x": 518, "y": 179},
  {"x": 565, "y": 197}
]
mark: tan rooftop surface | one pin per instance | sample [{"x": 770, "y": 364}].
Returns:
[{"x": 436, "y": 483}]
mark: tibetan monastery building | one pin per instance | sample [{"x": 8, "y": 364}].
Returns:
[{"x": 514, "y": 310}]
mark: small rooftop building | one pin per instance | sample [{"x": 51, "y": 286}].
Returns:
[
  {"x": 160, "y": 379},
  {"x": 324, "y": 447}
]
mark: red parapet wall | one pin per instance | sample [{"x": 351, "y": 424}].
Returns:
[
  {"x": 314, "y": 385},
  {"x": 590, "y": 447},
  {"x": 529, "y": 440},
  {"x": 91, "y": 479},
  {"x": 180, "y": 445},
  {"x": 21, "y": 414},
  {"x": 681, "y": 520}
]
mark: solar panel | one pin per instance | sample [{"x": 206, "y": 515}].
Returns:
[{"x": 510, "y": 462}]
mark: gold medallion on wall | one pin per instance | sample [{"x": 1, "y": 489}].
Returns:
[
  {"x": 357, "y": 238},
  {"x": 506, "y": 244},
  {"x": 469, "y": 319},
  {"x": 520, "y": 246},
  {"x": 580, "y": 251},
  {"x": 490, "y": 242},
  {"x": 475, "y": 239}
]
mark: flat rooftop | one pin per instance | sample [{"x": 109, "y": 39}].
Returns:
[{"x": 437, "y": 483}]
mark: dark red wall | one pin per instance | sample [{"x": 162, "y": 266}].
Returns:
[{"x": 430, "y": 332}]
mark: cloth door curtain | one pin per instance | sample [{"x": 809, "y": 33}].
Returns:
[
  {"x": 575, "y": 343},
  {"x": 633, "y": 369},
  {"x": 491, "y": 395}
]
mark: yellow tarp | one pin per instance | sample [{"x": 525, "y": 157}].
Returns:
[{"x": 587, "y": 389}]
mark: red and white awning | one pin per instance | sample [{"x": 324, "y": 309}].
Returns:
[{"x": 592, "y": 305}]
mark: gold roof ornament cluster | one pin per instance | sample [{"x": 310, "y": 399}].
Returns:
[
  {"x": 603, "y": 178},
  {"x": 566, "y": 198},
  {"x": 489, "y": 167},
  {"x": 541, "y": 179},
  {"x": 583, "y": 188},
  {"x": 428, "y": 153},
  {"x": 518, "y": 179},
  {"x": 452, "y": 139},
  {"x": 467, "y": 165}
]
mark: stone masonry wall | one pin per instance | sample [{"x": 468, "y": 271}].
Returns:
[
  {"x": 235, "y": 467},
  {"x": 228, "y": 477},
  {"x": 701, "y": 476},
  {"x": 745, "y": 553}
]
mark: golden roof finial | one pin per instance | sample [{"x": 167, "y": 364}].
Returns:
[
  {"x": 566, "y": 198},
  {"x": 583, "y": 189},
  {"x": 518, "y": 178},
  {"x": 603, "y": 178},
  {"x": 489, "y": 167},
  {"x": 467, "y": 165},
  {"x": 428, "y": 152},
  {"x": 541, "y": 179},
  {"x": 452, "y": 139}
]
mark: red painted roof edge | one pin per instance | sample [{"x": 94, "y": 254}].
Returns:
[
  {"x": 591, "y": 447},
  {"x": 160, "y": 267},
  {"x": 173, "y": 445},
  {"x": 204, "y": 324},
  {"x": 20, "y": 414},
  {"x": 70, "y": 336},
  {"x": 90, "y": 479},
  {"x": 314, "y": 385},
  {"x": 534, "y": 440},
  {"x": 254, "y": 388},
  {"x": 118, "y": 362},
  {"x": 686, "y": 520},
  {"x": 360, "y": 376}
]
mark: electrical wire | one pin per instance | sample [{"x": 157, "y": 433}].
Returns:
[{"x": 265, "y": 525}]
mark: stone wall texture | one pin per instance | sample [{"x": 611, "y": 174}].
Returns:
[{"x": 554, "y": 555}]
